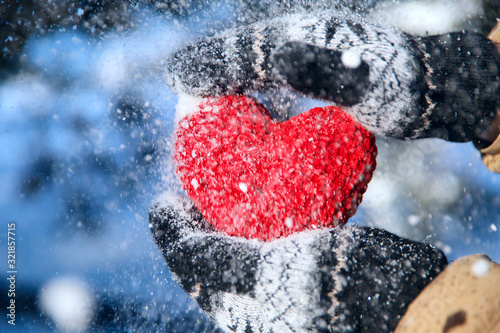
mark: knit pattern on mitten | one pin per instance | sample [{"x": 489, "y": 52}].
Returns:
[
  {"x": 326, "y": 280},
  {"x": 394, "y": 84}
]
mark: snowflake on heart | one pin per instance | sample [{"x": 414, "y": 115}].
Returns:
[{"x": 254, "y": 177}]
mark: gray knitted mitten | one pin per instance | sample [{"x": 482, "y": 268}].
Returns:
[
  {"x": 347, "y": 279},
  {"x": 396, "y": 85}
]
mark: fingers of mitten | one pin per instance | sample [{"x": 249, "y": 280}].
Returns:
[
  {"x": 462, "y": 73},
  {"x": 342, "y": 77},
  {"x": 173, "y": 217},
  {"x": 195, "y": 252}
]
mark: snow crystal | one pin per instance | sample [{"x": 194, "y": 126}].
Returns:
[
  {"x": 289, "y": 222},
  {"x": 68, "y": 302},
  {"x": 493, "y": 227},
  {"x": 351, "y": 59},
  {"x": 80, "y": 12},
  {"x": 195, "y": 183},
  {"x": 413, "y": 220},
  {"x": 243, "y": 187},
  {"x": 481, "y": 267},
  {"x": 186, "y": 105},
  {"x": 447, "y": 249}
]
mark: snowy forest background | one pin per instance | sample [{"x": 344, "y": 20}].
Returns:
[{"x": 86, "y": 126}]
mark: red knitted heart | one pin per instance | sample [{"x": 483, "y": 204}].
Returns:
[{"x": 251, "y": 176}]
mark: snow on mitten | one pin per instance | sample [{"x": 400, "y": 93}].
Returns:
[
  {"x": 394, "y": 84},
  {"x": 254, "y": 177},
  {"x": 326, "y": 280}
]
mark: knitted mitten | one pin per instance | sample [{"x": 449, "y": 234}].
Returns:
[
  {"x": 325, "y": 280},
  {"x": 396, "y": 85}
]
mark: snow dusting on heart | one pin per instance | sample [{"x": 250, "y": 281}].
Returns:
[{"x": 253, "y": 177}]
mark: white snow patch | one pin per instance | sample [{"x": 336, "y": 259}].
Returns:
[
  {"x": 186, "y": 105},
  {"x": 243, "y": 187},
  {"x": 481, "y": 267},
  {"x": 444, "y": 190},
  {"x": 69, "y": 303},
  {"x": 170, "y": 199},
  {"x": 413, "y": 220},
  {"x": 195, "y": 184},
  {"x": 351, "y": 59},
  {"x": 289, "y": 222},
  {"x": 429, "y": 17}
]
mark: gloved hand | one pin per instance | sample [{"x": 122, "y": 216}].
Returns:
[
  {"x": 488, "y": 142},
  {"x": 395, "y": 85},
  {"x": 349, "y": 278}
]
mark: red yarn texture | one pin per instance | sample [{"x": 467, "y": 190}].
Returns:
[{"x": 253, "y": 177}]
